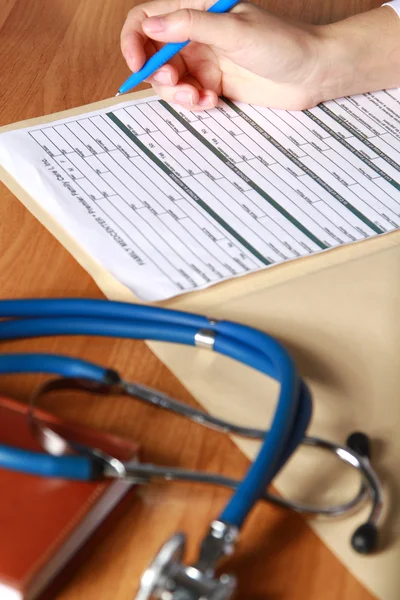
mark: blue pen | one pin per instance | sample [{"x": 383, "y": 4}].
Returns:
[{"x": 167, "y": 52}]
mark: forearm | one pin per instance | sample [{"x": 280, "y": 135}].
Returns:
[{"x": 360, "y": 54}]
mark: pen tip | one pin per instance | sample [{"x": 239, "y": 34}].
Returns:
[{"x": 117, "y": 94}]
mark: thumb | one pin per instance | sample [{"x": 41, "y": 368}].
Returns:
[{"x": 223, "y": 31}]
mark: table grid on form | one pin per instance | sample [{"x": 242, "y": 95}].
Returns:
[{"x": 206, "y": 196}]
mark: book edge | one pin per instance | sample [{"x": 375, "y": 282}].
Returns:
[{"x": 91, "y": 522}]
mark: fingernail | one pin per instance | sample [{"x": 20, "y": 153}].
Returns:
[
  {"x": 206, "y": 101},
  {"x": 184, "y": 97},
  {"x": 154, "y": 25},
  {"x": 163, "y": 76},
  {"x": 132, "y": 63}
]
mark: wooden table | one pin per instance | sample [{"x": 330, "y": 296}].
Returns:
[{"x": 55, "y": 55}]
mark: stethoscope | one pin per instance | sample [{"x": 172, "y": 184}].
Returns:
[{"x": 167, "y": 576}]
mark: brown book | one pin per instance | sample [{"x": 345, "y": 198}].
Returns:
[{"x": 45, "y": 522}]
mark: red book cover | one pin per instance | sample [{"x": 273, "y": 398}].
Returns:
[{"x": 45, "y": 522}]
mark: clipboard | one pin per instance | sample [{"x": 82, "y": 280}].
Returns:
[{"x": 337, "y": 312}]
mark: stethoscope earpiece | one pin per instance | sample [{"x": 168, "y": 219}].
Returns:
[
  {"x": 360, "y": 443},
  {"x": 365, "y": 539}
]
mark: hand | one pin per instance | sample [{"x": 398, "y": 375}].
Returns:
[
  {"x": 252, "y": 56},
  {"x": 247, "y": 55}
]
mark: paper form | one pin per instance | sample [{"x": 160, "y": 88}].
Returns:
[{"x": 170, "y": 201}]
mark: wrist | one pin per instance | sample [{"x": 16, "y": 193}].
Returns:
[
  {"x": 338, "y": 61},
  {"x": 358, "y": 55}
]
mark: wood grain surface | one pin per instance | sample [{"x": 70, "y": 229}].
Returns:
[{"x": 55, "y": 55}]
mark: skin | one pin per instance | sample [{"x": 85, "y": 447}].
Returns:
[{"x": 250, "y": 55}]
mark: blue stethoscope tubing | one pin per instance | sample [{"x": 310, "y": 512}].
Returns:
[{"x": 53, "y": 317}]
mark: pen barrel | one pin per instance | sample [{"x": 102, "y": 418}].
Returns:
[
  {"x": 161, "y": 57},
  {"x": 154, "y": 63},
  {"x": 223, "y": 6}
]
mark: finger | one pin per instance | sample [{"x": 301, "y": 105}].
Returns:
[
  {"x": 183, "y": 93},
  {"x": 208, "y": 99},
  {"x": 167, "y": 75},
  {"x": 170, "y": 73},
  {"x": 208, "y": 96},
  {"x": 133, "y": 39},
  {"x": 223, "y": 31},
  {"x": 189, "y": 94}
]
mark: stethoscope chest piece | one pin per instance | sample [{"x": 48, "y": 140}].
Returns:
[
  {"x": 160, "y": 570},
  {"x": 167, "y": 578}
]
